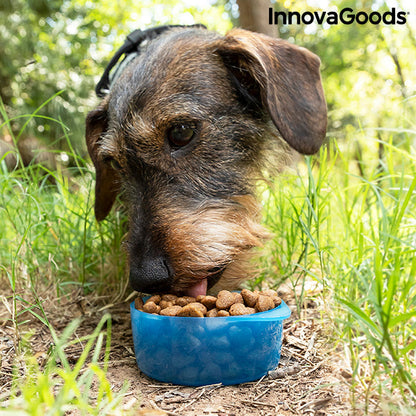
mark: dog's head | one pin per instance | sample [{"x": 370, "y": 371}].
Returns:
[{"x": 184, "y": 133}]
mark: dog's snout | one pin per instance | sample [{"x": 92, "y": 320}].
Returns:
[{"x": 152, "y": 274}]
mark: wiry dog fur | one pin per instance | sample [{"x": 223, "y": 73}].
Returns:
[{"x": 248, "y": 100}]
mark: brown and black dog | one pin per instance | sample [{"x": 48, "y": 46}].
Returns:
[{"x": 183, "y": 134}]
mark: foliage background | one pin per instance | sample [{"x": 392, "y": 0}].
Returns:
[{"x": 50, "y": 45}]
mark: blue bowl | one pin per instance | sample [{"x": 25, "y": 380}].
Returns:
[{"x": 201, "y": 351}]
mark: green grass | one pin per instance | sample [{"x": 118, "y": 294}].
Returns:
[
  {"x": 49, "y": 239},
  {"x": 57, "y": 389},
  {"x": 50, "y": 230},
  {"x": 348, "y": 225},
  {"x": 356, "y": 236}
]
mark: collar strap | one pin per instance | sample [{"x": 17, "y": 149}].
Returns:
[{"x": 131, "y": 49}]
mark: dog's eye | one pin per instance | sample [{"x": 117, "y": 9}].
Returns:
[
  {"x": 113, "y": 163},
  {"x": 181, "y": 134}
]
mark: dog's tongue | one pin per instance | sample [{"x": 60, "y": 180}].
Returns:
[{"x": 199, "y": 289}]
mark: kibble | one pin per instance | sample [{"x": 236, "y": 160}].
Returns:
[
  {"x": 155, "y": 298},
  {"x": 250, "y": 298},
  {"x": 273, "y": 294},
  {"x": 224, "y": 300},
  {"x": 212, "y": 313},
  {"x": 166, "y": 304},
  {"x": 151, "y": 307},
  {"x": 195, "y": 309},
  {"x": 238, "y": 298},
  {"x": 240, "y": 309},
  {"x": 209, "y": 301},
  {"x": 169, "y": 298},
  {"x": 264, "y": 303},
  {"x": 184, "y": 300},
  {"x": 171, "y": 310},
  {"x": 226, "y": 303},
  {"x": 138, "y": 303}
]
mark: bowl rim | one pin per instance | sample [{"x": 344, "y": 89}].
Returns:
[{"x": 280, "y": 312}]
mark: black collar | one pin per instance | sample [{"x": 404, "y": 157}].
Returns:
[{"x": 130, "y": 48}]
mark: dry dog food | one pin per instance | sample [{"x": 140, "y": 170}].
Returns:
[{"x": 224, "y": 304}]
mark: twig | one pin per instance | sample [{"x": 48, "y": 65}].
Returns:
[
  {"x": 317, "y": 403},
  {"x": 256, "y": 403},
  {"x": 260, "y": 381},
  {"x": 169, "y": 413},
  {"x": 310, "y": 345},
  {"x": 262, "y": 394},
  {"x": 193, "y": 400},
  {"x": 299, "y": 356},
  {"x": 289, "y": 370},
  {"x": 205, "y": 389},
  {"x": 209, "y": 387},
  {"x": 307, "y": 372}
]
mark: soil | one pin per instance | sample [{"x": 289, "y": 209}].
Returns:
[{"x": 310, "y": 380}]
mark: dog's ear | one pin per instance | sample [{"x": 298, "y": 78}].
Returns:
[
  {"x": 106, "y": 178},
  {"x": 286, "y": 79}
]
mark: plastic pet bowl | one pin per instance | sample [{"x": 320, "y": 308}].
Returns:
[{"x": 200, "y": 351}]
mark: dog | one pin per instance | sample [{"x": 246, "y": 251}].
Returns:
[{"x": 189, "y": 123}]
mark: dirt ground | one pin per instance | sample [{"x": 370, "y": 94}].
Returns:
[{"x": 311, "y": 378}]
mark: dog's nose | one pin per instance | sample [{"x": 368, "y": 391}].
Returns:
[{"x": 151, "y": 275}]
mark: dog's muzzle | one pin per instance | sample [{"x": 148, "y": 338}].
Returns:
[{"x": 151, "y": 274}]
